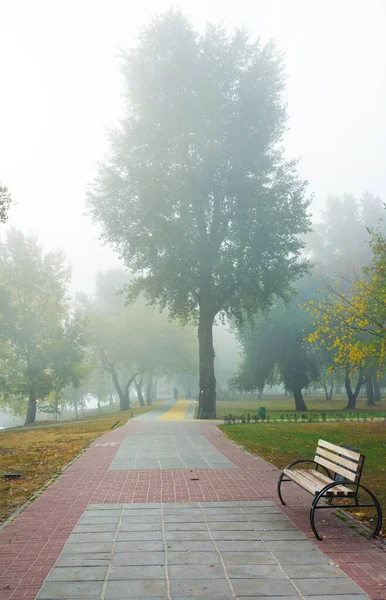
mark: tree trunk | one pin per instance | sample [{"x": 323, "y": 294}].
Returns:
[
  {"x": 377, "y": 389},
  {"x": 352, "y": 395},
  {"x": 207, "y": 395},
  {"x": 260, "y": 393},
  {"x": 149, "y": 389},
  {"x": 325, "y": 390},
  {"x": 331, "y": 391},
  {"x": 155, "y": 389},
  {"x": 370, "y": 391},
  {"x": 300, "y": 405},
  {"x": 31, "y": 409},
  {"x": 76, "y": 409},
  {"x": 99, "y": 405},
  {"x": 138, "y": 387},
  {"x": 124, "y": 402}
]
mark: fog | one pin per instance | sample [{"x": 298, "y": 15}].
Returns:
[
  {"x": 61, "y": 90},
  {"x": 61, "y": 93}
]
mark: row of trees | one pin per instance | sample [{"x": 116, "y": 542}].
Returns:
[
  {"x": 332, "y": 332},
  {"x": 54, "y": 351}
]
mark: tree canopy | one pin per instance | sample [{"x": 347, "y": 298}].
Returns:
[{"x": 196, "y": 194}]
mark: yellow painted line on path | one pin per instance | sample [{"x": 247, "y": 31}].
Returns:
[{"x": 177, "y": 412}]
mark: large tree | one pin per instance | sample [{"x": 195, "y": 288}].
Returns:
[
  {"x": 45, "y": 343},
  {"x": 196, "y": 195}
]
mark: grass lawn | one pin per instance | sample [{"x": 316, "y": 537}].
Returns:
[
  {"x": 281, "y": 404},
  {"x": 38, "y": 454},
  {"x": 280, "y": 443}
]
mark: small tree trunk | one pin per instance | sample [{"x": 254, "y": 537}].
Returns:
[
  {"x": 207, "y": 395},
  {"x": 352, "y": 395},
  {"x": 149, "y": 389},
  {"x": 325, "y": 390},
  {"x": 138, "y": 387},
  {"x": 300, "y": 405},
  {"x": 260, "y": 393},
  {"x": 99, "y": 405},
  {"x": 31, "y": 409},
  {"x": 370, "y": 391},
  {"x": 377, "y": 389},
  {"x": 330, "y": 394},
  {"x": 76, "y": 409},
  {"x": 155, "y": 389}
]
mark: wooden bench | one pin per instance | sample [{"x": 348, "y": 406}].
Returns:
[{"x": 341, "y": 479}]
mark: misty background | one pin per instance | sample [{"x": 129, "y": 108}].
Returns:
[{"x": 61, "y": 91}]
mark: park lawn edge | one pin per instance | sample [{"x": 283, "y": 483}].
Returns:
[{"x": 11, "y": 507}]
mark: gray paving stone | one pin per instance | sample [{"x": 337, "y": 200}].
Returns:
[
  {"x": 87, "y": 547},
  {"x": 273, "y": 526},
  {"x": 269, "y": 517},
  {"x": 205, "y": 571},
  {"x": 338, "y": 597},
  {"x": 139, "y": 546},
  {"x": 91, "y": 520},
  {"x": 77, "y": 574},
  {"x": 200, "y": 588},
  {"x": 69, "y": 589},
  {"x": 312, "y": 571},
  {"x": 135, "y": 527},
  {"x": 336, "y": 585},
  {"x": 185, "y": 527},
  {"x": 233, "y": 526},
  {"x": 141, "y": 536},
  {"x": 227, "y": 518},
  {"x": 142, "y": 588},
  {"x": 263, "y": 587},
  {"x": 172, "y": 536},
  {"x": 292, "y": 534},
  {"x": 252, "y": 571},
  {"x": 183, "y": 518},
  {"x": 83, "y": 560},
  {"x": 138, "y": 559},
  {"x": 190, "y": 546},
  {"x": 248, "y": 558},
  {"x": 242, "y": 546},
  {"x": 235, "y": 535},
  {"x": 288, "y": 546},
  {"x": 97, "y": 536},
  {"x": 95, "y": 527},
  {"x": 136, "y": 572},
  {"x": 295, "y": 557},
  {"x": 144, "y": 505},
  {"x": 193, "y": 558}
]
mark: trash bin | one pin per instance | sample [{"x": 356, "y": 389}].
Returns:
[{"x": 262, "y": 412}]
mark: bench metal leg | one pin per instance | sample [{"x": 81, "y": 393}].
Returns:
[
  {"x": 321, "y": 495},
  {"x": 279, "y": 488}
]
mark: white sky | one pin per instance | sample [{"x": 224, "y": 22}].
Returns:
[{"x": 60, "y": 89}]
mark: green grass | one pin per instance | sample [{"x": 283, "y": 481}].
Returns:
[
  {"x": 39, "y": 453},
  {"x": 279, "y": 443},
  {"x": 281, "y": 404}
]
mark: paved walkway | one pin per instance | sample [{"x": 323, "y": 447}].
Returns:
[{"x": 165, "y": 508}]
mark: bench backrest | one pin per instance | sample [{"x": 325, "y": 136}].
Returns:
[{"x": 339, "y": 460}]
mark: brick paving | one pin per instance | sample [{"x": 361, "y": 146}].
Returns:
[{"x": 30, "y": 546}]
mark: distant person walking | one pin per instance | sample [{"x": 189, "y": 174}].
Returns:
[{"x": 175, "y": 394}]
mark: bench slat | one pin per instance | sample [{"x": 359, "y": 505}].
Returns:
[
  {"x": 343, "y": 462},
  {"x": 340, "y": 450},
  {"x": 313, "y": 483},
  {"x": 336, "y": 468},
  {"x": 325, "y": 480},
  {"x": 320, "y": 483}
]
